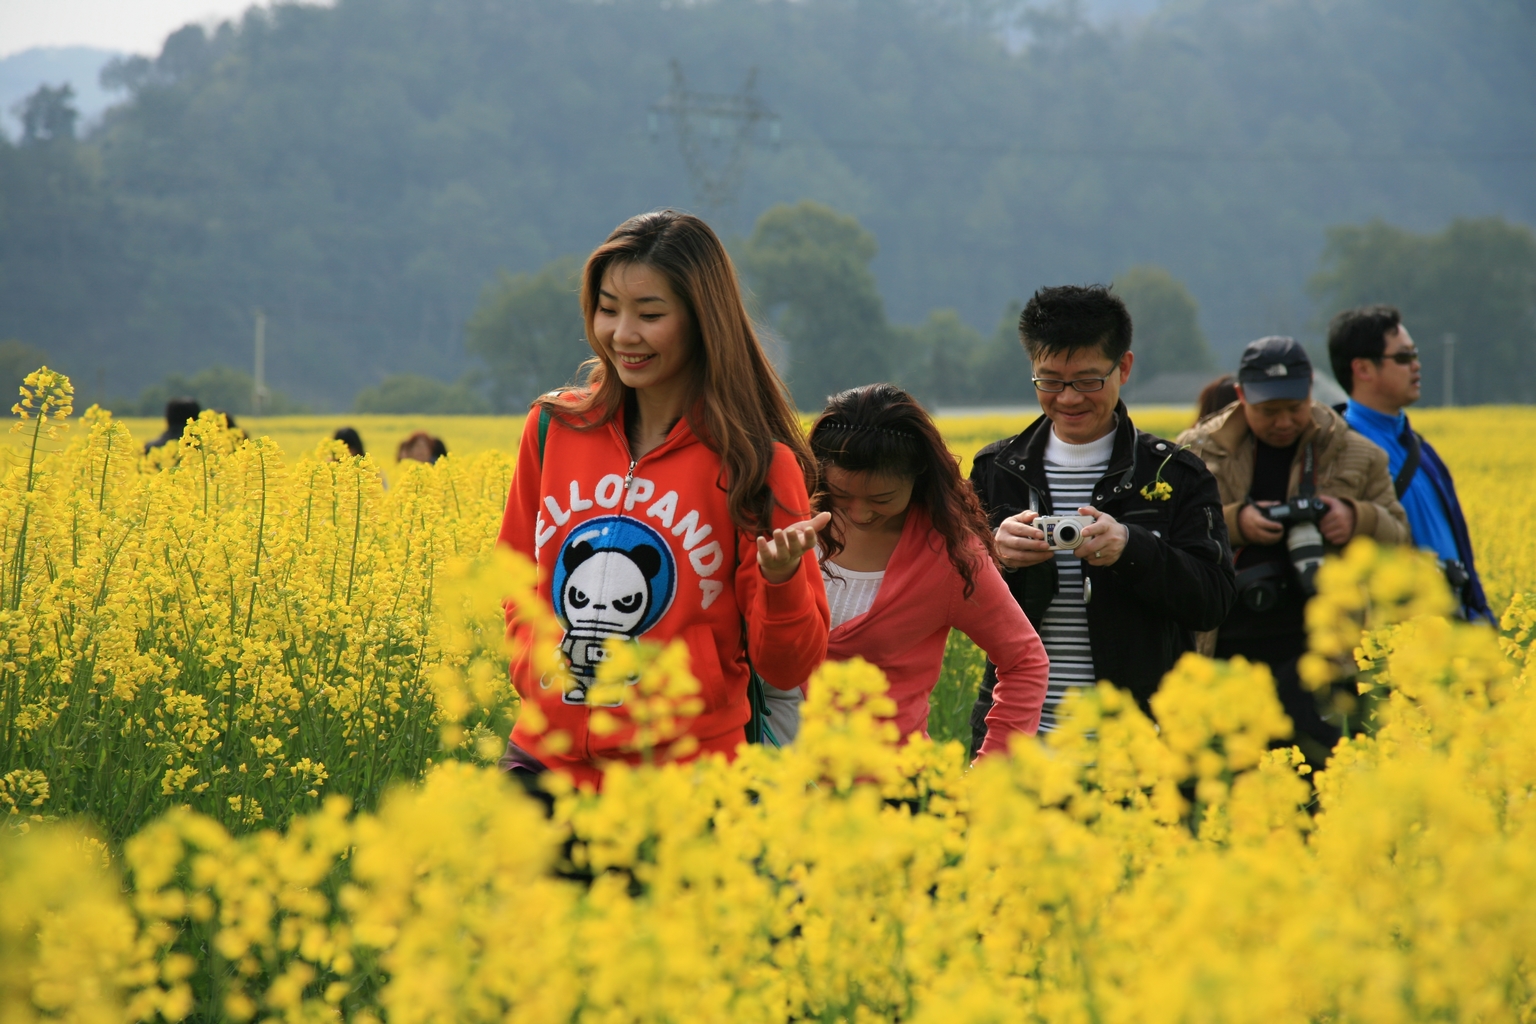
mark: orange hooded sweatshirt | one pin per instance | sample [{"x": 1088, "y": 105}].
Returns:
[{"x": 648, "y": 550}]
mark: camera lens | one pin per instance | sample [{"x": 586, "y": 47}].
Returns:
[
  {"x": 1305, "y": 545},
  {"x": 1261, "y": 597},
  {"x": 1067, "y": 534}
]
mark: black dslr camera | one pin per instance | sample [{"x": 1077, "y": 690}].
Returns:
[
  {"x": 1259, "y": 588},
  {"x": 1296, "y": 510}
]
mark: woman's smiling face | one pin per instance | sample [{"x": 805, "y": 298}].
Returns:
[{"x": 644, "y": 327}]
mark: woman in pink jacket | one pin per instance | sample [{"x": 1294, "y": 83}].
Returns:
[{"x": 906, "y": 557}]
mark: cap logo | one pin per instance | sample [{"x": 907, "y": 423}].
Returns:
[{"x": 1277, "y": 370}]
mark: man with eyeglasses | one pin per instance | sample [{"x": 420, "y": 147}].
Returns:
[
  {"x": 1376, "y": 362},
  {"x": 1296, "y": 483},
  {"x": 1153, "y": 568}
]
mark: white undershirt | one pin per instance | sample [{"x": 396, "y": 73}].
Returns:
[{"x": 849, "y": 593}]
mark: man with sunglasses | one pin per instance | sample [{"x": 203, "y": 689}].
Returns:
[
  {"x": 1153, "y": 568},
  {"x": 1376, "y": 361}
]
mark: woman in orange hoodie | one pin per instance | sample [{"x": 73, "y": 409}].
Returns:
[
  {"x": 665, "y": 497},
  {"x": 907, "y": 556}
]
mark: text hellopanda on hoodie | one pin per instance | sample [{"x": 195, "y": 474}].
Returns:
[{"x": 616, "y": 575}]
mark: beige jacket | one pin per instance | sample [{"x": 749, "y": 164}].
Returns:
[{"x": 1349, "y": 466}]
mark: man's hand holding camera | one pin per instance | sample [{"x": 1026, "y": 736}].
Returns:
[
  {"x": 1337, "y": 524},
  {"x": 1256, "y": 527},
  {"x": 1105, "y": 540},
  {"x": 1021, "y": 544}
]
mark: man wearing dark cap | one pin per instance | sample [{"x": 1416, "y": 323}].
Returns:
[{"x": 1295, "y": 483}]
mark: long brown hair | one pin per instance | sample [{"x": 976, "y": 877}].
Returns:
[
  {"x": 879, "y": 428},
  {"x": 738, "y": 405}
]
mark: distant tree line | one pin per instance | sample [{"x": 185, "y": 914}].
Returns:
[
  {"x": 807, "y": 268},
  {"x": 807, "y": 271},
  {"x": 808, "y": 275},
  {"x": 1474, "y": 281},
  {"x": 361, "y": 169},
  {"x": 215, "y": 387}
]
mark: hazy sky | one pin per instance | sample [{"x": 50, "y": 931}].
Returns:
[{"x": 139, "y": 26}]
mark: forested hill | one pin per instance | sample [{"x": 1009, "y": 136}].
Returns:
[{"x": 361, "y": 171}]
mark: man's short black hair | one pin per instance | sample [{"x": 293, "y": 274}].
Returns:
[
  {"x": 1359, "y": 334},
  {"x": 1069, "y": 317}
]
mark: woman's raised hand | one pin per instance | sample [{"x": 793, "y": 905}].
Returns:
[{"x": 778, "y": 556}]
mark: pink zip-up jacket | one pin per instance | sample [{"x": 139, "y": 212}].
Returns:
[{"x": 920, "y": 599}]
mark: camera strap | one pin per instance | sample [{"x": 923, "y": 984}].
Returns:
[
  {"x": 1272, "y": 570},
  {"x": 1415, "y": 449},
  {"x": 1308, "y": 485}
]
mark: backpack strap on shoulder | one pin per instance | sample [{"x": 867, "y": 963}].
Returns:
[
  {"x": 545, "y": 415},
  {"x": 1410, "y": 466}
]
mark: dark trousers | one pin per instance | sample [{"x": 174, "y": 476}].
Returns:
[{"x": 1314, "y": 735}]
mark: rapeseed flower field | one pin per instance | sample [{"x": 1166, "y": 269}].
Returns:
[{"x": 250, "y": 697}]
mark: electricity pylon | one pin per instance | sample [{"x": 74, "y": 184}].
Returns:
[{"x": 715, "y": 132}]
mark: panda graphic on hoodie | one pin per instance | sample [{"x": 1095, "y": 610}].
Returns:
[{"x": 614, "y": 577}]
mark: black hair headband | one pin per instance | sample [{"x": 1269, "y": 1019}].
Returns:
[{"x": 851, "y": 427}]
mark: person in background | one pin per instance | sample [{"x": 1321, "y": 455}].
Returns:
[
  {"x": 421, "y": 447},
  {"x": 907, "y": 556},
  {"x": 179, "y": 412},
  {"x": 352, "y": 439},
  {"x": 665, "y": 498},
  {"x": 230, "y": 424},
  {"x": 1377, "y": 364},
  {"x": 1216, "y": 396},
  {"x": 1153, "y": 567},
  {"x": 1274, "y": 447}
]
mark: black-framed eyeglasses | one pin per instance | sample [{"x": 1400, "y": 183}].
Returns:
[
  {"x": 1080, "y": 384},
  {"x": 1403, "y": 358}
]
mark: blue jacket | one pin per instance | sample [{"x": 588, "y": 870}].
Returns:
[
  {"x": 1433, "y": 469},
  {"x": 1474, "y": 601}
]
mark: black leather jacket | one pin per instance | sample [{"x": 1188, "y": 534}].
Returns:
[{"x": 1174, "y": 578}]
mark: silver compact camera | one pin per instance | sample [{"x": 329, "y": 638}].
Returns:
[{"x": 1063, "y": 533}]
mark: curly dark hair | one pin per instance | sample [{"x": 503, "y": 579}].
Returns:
[{"x": 879, "y": 428}]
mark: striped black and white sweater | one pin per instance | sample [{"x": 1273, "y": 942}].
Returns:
[{"x": 1071, "y": 470}]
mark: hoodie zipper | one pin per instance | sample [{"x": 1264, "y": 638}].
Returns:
[{"x": 629, "y": 476}]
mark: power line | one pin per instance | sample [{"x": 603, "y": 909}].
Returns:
[{"x": 723, "y": 121}]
